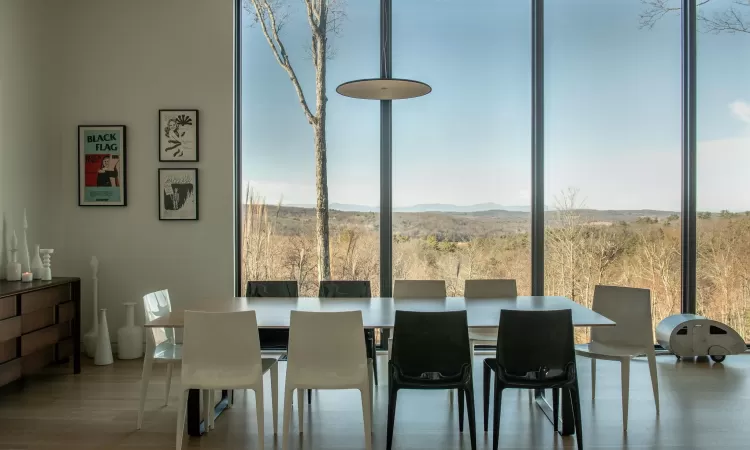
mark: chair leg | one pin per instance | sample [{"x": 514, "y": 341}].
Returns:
[
  {"x": 654, "y": 377},
  {"x": 259, "y": 414},
  {"x": 300, "y": 408},
  {"x": 309, "y": 396},
  {"x": 472, "y": 417},
  {"x": 370, "y": 375},
  {"x": 486, "y": 394},
  {"x": 275, "y": 397},
  {"x": 374, "y": 361},
  {"x": 576, "y": 399},
  {"x": 392, "y": 397},
  {"x": 169, "y": 383},
  {"x": 496, "y": 415},
  {"x": 367, "y": 415},
  {"x": 625, "y": 375},
  {"x": 460, "y": 410},
  {"x": 288, "y": 395},
  {"x": 556, "y": 408},
  {"x": 181, "y": 412},
  {"x": 211, "y": 405},
  {"x": 207, "y": 408},
  {"x": 145, "y": 378},
  {"x": 593, "y": 379}
]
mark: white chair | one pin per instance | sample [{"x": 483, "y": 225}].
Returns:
[
  {"x": 487, "y": 289},
  {"x": 222, "y": 351},
  {"x": 314, "y": 364},
  {"x": 160, "y": 346},
  {"x": 632, "y": 335}
]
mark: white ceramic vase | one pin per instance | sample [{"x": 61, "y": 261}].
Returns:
[
  {"x": 36, "y": 264},
  {"x": 103, "y": 347},
  {"x": 90, "y": 338},
  {"x": 130, "y": 337}
]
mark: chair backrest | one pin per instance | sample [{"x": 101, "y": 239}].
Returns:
[
  {"x": 630, "y": 309},
  {"x": 530, "y": 340},
  {"x": 419, "y": 289},
  {"x": 425, "y": 342},
  {"x": 155, "y": 305},
  {"x": 286, "y": 288},
  {"x": 331, "y": 342},
  {"x": 490, "y": 288},
  {"x": 219, "y": 345},
  {"x": 345, "y": 288}
]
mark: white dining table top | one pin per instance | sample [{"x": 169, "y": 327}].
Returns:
[{"x": 379, "y": 312}]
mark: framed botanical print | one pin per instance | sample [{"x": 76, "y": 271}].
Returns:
[
  {"x": 178, "y": 194},
  {"x": 102, "y": 175},
  {"x": 178, "y": 135}
]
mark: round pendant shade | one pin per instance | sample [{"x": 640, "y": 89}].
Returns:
[{"x": 384, "y": 89}]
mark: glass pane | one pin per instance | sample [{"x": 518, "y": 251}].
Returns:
[
  {"x": 613, "y": 152},
  {"x": 461, "y": 155},
  {"x": 723, "y": 115},
  {"x": 278, "y": 151}
]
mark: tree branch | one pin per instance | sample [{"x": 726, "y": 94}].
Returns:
[
  {"x": 265, "y": 16},
  {"x": 730, "y": 21}
]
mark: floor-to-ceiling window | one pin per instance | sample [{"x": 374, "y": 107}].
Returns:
[
  {"x": 612, "y": 152},
  {"x": 279, "y": 231},
  {"x": 461, "y": 155},
  {"x": 723, "y": 185}
]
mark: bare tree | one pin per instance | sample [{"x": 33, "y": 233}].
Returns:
[
  {"x": 324, "y": 18},
  {"x": 734, "y": 19}
]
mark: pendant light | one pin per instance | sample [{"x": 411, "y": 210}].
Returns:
[{"x": 385, "y": 87}]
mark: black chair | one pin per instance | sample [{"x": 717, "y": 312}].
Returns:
[
  {"x": 534, "y": 351},
  {"x": 431, "y": 351},
  {"x": 353, "y": 289},
  {"x": 272, "y": 339}
]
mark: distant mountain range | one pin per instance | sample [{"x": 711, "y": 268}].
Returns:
[{"x": 428, "y": 207}]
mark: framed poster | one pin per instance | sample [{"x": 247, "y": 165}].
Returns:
[
  {"x": 178, "y": 194},
  {"x": 102, "y": 166},
  {"x": 178, "y": 135}
]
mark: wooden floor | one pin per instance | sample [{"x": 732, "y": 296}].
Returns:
[{"x": 703, "y": 406}]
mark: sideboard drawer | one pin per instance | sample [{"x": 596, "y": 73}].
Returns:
[
  {"x": 10, "y": 328},
  {"x": 33, "y": 363},
  {"x": 8, "y": 350},
  {"x": 41, "y": 318},
  {"x": 66, "y": 312},
  {"x": 7, "y": 307},
  {"x": 39, "y": 339},
  {"x": 10, "y": 371},
  {"x": 45, "y": 298}
]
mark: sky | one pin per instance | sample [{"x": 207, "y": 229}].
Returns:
[{"x": 612, "y": 107}]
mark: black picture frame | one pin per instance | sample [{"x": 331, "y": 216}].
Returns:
[
  {"x": 170, "y": 149},
  {"x": 178, "y": 201},
  {"x": 95, "y": 183}
]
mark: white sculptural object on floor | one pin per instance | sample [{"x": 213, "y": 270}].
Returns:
[
  {"x": 103, "y": 347},
  {"x": 130, "y": 337},
  {"x": 89, "y": 339}
]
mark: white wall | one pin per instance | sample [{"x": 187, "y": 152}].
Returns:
[
  {"x": 29, "y": 133},
  {"x": 123, "y": 61}
]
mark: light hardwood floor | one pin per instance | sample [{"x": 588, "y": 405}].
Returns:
[{"x": 703, "y": 406}]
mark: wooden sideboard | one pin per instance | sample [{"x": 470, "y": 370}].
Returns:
[{"x": 40, "y": 323}]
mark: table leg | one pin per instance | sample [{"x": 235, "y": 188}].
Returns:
[
  {"x": 76, "y": 297},
  {"x": 195, "y": 425},
  {"x": 566, "y": 408}
]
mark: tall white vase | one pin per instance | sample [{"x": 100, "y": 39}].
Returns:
[
  {"x": 130, "y": 337},
  {"x": 90, "y": 338},
  {"x": 36, "y": 264},
  {"x": 25, "y": 260},
  {"x": 103, "y": 347}
]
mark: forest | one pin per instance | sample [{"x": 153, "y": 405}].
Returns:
[{"x": 583, "y": 248}]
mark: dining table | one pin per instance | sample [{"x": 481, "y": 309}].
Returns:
[{"x": 380, "y": 312}]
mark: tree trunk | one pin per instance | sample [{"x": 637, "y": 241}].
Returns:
[{"x": 321, "y": 165}]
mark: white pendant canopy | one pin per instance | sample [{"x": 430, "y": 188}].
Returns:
[{"x": 384, "y": 89}]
